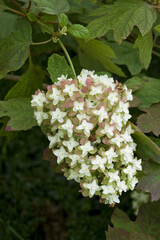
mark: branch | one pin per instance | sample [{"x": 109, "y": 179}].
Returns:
[
  {"x": 40, "y": 43},
  {"x": 16, "y": 78}
]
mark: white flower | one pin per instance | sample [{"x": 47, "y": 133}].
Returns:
[
  {"x": 111, "y": 199},
  {"x": 126, "y": 117},
  {"x": 53, "y": 140},
  {"x": 126, "y": 137},
  {"x": 93, "y": 187},
  {"x": 74, "y": 158},
  {"x": 117, "y": 140},
  {"x": 40, "y": 116},
  {"x": 130, "y": 171},
  {"x": 107, "y": 189},
  {"x": 73, "y": 175},
  {"x": 96, "y": 90},
  {"x": 127, "y": 94},
  {"x": 137, "y": 164},
  {"x": 99, "y": 162},
  {"x": 114, "y": 176},
  {"x": 102, "y": 113},
  {"x": 108, "y": 130},
  {"x": 121, "y": 186},
  {"x": 127, "y": 153},
  {"x": 123, "y": 107},
  {"x": 84, "y": 171},
  {"x": 117, "y": 119},
  {"x": 57, "y": 115},
  {"x": 108, "y": 82},
  {"x": 61, "y": 154},
  {"x": 86, "y": 148},
  {"x": 62, "y": 77},
  {"x": 86, "y": 126},
  {"x": 132, "y": 183},
  {"x": 113, "y": 97},
  {"x": 110, "y": 154},
  {"x": 81, "y": 116},
  {"x": 70, "y": 89},
  {"x": 70, "y": 144},
  {"x": 68, "y": 126},
  {"x": 78, "y": 106},
  {"x": 56, "y": 96},
  {"x": 38, "y": 100}
]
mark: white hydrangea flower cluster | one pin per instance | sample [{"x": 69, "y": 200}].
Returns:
[{"x": 88, "y": 130}]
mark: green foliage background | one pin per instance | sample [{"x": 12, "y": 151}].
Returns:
[{"x": 39, "y": 41}]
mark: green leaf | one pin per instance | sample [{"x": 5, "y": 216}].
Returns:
[
  {"x": 98, "y": 53},
  {"x": 57, "y": 65},
  {"x": 150, "y": 122},
  {"x": 122, "y": 17},
  {"x": 146, "y": 148},
  {"x": 146, "y": 226},
  {"x": 8, "y": 23},
  {"x": 14, "y": 48},
  {"x": 145, "y": 45},
  {"x": 79, "y": 31},
  {"x": 127, "y": 55},
  {"x": 146, "y": 89},
  {"x": 20, "y": 112},
  {"x": 63, "y": 20},
  {"x": 150, "y": 181},
  {"x": 28, "y": 83},
  {"x": 53, "y": 6},
  {"x": 120, "y": 234}
]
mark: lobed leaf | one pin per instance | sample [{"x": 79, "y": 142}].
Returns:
[
  {"x": 146, "y": 89},
  {"x": 145, "y": 45},
  {"x": 53, "y": 6},
  {"x": 20, "y": 112},
  {"x": 28, "y": 83},
  {"x": 14, "y": 48},
  {"x": 98, "y": 53},
  {"x": 122, "y": 17},
  {"x": 150, "y": 122},
  {"x": 146, "y": 226},
  {"x": 127, "y": 55}
]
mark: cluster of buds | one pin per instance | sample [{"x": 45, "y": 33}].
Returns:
[{"x": 88, "y": 130}]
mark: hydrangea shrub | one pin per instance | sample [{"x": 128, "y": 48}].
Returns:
[{"x": 89, "y": 133}]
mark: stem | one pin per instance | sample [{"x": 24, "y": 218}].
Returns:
[
  {"x": 15, "y": 11},
  {"x": 16, "y": 78},
  {"x": 17, "y": 5},
  {"x": 156, "y": 45},
  {"x": 29, "y": 5},
  {"x": 68, "y": 57},
  {"x": 155, "y": 53},
  {"x": 15, "y": 233},
  {"x": 40, "y": 43}
]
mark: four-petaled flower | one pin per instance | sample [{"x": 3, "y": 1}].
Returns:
[
  {"x": 101, "y": 113},
  {"x": 57, "y": 115},
  {"x": 70, "y": 89},
  {"x": 78, "y": 106},
  {"x": 68, "y": 126},
  {"x": 56, "y": 96},
  {"x": 70, "y": 144},
  {"x": 87, "y": 147},
  {"x": 99, "y": 162},
  {"x": 86, "y": 126},
  {"x": 93, "y": 187},
  {"x": 61, "y": 154}
]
